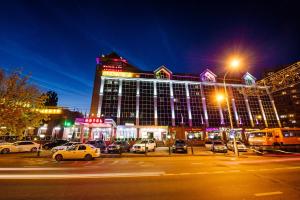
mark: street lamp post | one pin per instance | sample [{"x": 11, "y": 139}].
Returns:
[
  {"x": 169, "y": 139},
  {"x": 191, "y": 140},
  {"x": 234, "y": 64},
  {"x": 42, "y": 136}
]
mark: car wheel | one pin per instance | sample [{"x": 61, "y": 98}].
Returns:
[
  {"x": 88, "y": 157},
  {"x": 59, "y": 157},
  {"x": 34, "y": 149},
  {"x": 5, "y": 151}
]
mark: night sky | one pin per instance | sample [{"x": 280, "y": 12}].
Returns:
[{"x": 58, "y": 41}]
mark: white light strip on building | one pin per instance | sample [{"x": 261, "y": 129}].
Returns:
[
  {"x": 100, "y": 96},
  {"x": 204, "y": 105},
  {"x": 222, "y": 122},
  {"x": 189, "y": 82},
  {"x": 188, "y": 104},
  {"x": 274, "y": 107},
  {"x": 137, "y": 122},
  {"x": 172, "y": 104},
  {"x": 155, "y": 103},
  {"x": 119, "y": 102},
  {"x": 262, "y": 111},
  {"x": 234, "y": 106},
  {"x": 248, "y": 108}
]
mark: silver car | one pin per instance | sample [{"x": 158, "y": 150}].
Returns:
[{"x": 240, "y": 146}]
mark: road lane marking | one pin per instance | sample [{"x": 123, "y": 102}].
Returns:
[
  {"x": 267, "y": 194},
  {"x": 234, "y": 171},
  {"x": 218, "y": 172},
  {"x": 83, "y": 176},
  {"x": 37, "y": 169},
  {"x": 196, "y": 163}
]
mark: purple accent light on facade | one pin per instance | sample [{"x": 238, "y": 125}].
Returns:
[{"x": 98, "y": 60}]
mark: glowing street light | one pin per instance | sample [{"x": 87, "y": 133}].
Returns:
[
  {"x": 234, "y": 64},
  {"x": 220, "y": 98}
]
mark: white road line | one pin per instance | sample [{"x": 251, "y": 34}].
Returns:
[
  {"x": 264, "y": 169},
  {"x": 115, "y": 162},
  {"x": 233, "y": 171},
  {"x": 218, "y": 172},
  {"x": 267, "y": 194},
  {"x": 196, "y": 163},
  {"x": 36, "y": 169},
  {"x": 83, "y": 176},
  {"x": 201, "y": 173}
]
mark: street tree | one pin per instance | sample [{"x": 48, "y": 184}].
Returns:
[
  {"x": 51, "y": 99},
  {"x": 20, "y": 103}
]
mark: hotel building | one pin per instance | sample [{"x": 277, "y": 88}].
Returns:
[{"x": 153, "y": 104}]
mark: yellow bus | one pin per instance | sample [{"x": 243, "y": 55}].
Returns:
[{"x": 275, "y": 137}]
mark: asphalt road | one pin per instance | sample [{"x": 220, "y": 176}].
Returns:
[{"x": 182, "y": 177}]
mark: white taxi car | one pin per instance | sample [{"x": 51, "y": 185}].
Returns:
[
  {"x": 80, "y": 151},
  {"x": 20, "y": 146},
  {"x": 141, "y": 146}
]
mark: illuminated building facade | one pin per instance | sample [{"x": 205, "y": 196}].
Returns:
[
  {"x": 154, "y": 104},
  {"x": 284, "y": 86}
]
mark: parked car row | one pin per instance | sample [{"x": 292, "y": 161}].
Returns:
[
  {"x": 220, "y": 146},
  {"x": 20, "y": 146}
]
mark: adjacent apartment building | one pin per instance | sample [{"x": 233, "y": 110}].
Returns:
[{"x": 284, "y": 86}]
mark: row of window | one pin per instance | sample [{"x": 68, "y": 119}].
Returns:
[{"x": 217, "y": 111}]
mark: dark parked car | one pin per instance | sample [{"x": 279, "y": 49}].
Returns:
[
  {"x": 118, "y": 147},
  {"x": 50, "y": 145},
  {"x": 98, "y": 144},
  {"x": 179, "y": 146}
]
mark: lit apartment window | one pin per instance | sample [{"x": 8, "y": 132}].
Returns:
[
  {"x": 283, "y": 93},
  {"x": 293, "y": 91},
  {"x": 282, "y": 116},
  {"x": 291, "y": 115},
  {"x": 294, "y": 96}
]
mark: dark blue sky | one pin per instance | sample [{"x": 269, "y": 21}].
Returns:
[{"x": 58, "y": 41}]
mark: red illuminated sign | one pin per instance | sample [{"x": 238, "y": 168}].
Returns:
[{"x": 93, "y": 120}]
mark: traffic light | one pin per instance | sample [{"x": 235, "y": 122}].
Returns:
[{"x": 68, "y": 123}]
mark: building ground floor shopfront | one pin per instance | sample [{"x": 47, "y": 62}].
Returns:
[{"x": 95, "y": 129}]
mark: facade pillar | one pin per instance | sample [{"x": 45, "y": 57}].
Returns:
[
  {"x": 172, "y": 104},
  {"x": 204, "y": 105},
  {"x": 81, "y": 133},
  {"x": 91, "y": 135},
  {"x": 188, "y": 102},
  {"x": 222, "y": 122},
  {"x": 137, "y": 113},
  {"x": 262, "y": 111},
  {"x": 155, "y": 104},
  {"x": 248, "y": 107},
  {"x": 236, "y": 116},
  {"x": 274, "y": 107},
  {"x": 119, "y": 102},
  {"x": 100, "y": 96}
]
